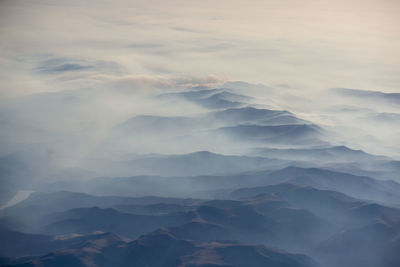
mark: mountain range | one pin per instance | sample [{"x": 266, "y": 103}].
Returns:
[{"x": 229, "y": 183}]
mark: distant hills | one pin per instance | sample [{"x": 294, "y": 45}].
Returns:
[
  {"x": 164, "y": 249},
  {"x": 296, "y": 218},
  {"x": 198, "y": 177}
]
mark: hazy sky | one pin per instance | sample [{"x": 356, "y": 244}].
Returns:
[
  {"x": 302, "y": 48},
  {"x": 304, "y": 44}
]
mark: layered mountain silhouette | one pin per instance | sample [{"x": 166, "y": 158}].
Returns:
[
  {"x": 331, "y": 154},
  {"x": 295, "y": 218},
  {"x": 164, "y": 249},
  {"x": 363, "y": 187},
  {"x": 299, "y": 134},
  {"x": 232, "y": 182},
  {"x": 196, "y": 163},
  {"x": 258, "y": 116},
  {"x": 213, "y": 99}
]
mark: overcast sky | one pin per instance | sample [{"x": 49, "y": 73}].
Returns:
[
  {"x": 301, "y": 47},
  {"x": 305, "y": 44}
]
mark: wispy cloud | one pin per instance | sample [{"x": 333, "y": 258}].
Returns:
[{"x": 59, "y": 65}]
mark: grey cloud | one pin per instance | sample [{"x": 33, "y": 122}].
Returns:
[
  {"x": 393, "y": 98},
  {"x": 384, "y": 117},
  {"x": 145, "y": 46},
  {"x": 60, "y": 65},
  {"x": 151, "y": 48},
  {"x": 184, "y": 29}
]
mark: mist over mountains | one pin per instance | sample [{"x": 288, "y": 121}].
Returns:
[
  {"x": 228, "y": 183},
  {"x": 199, "y": 133}
]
